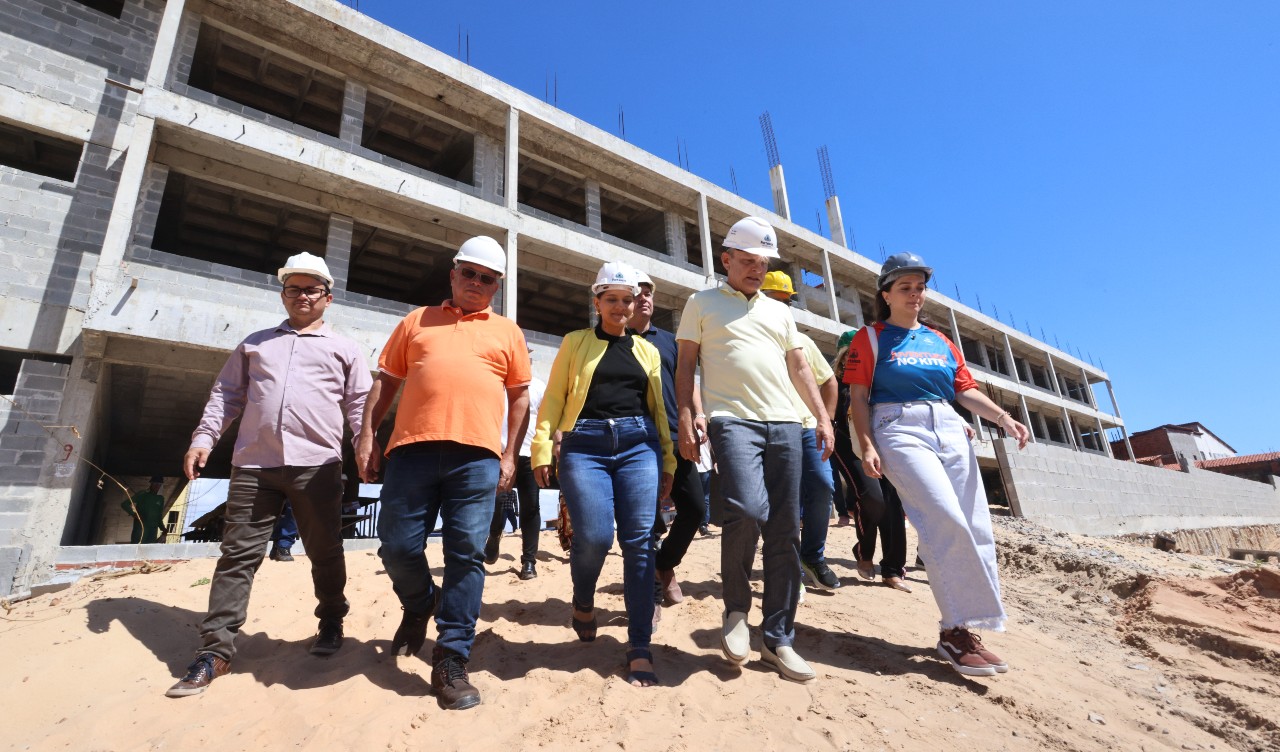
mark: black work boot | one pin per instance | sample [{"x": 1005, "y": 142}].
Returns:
[
  {"x": 449, "y": 681},
  {"x": 329, "y": 638},
  {"x": 412, "y": 631}
]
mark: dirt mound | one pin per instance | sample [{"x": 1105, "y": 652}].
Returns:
[{"x": 1237, "y": 616}]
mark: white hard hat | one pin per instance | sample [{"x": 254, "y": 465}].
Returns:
[
  {"x": 485, "y": 251},
  {"x": 643, "y": 279},
  {"x": 616, "y": 275},
  {"x": 306, "y": 263},
  {"x": 753, "y": 235}
]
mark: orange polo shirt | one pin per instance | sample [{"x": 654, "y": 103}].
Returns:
[{"x": 456, "y": 369}]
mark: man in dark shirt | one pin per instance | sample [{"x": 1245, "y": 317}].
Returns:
[{"x": 686, "y": 491}]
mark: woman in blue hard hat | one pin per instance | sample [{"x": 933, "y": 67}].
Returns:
[
  {"x": 616, "y": 460},
  {"x": 901, "y": 387}
]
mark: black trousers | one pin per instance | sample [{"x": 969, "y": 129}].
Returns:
[
  {"x": 691, "y": 506},
  {"x": 526, "y": 488},
  {"x": 876, "y": 510}
]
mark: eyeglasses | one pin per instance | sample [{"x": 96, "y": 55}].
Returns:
[
  {"x": 469, "y": 273},
  {"x": 313, "y": 293}
]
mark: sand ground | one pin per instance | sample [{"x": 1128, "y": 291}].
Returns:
[{"x": 1113, "y": 646}]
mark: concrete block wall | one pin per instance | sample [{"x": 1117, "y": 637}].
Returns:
[
  {"x": 55, "y": 59},
  {"x": 26, "y": 450},
  {"x": 1082, "y": 492}
]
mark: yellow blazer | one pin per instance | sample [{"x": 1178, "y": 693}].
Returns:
[{"x": 571, "y": 372}]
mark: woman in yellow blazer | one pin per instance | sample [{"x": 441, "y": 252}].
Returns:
[{"x": 616, "y": 461}]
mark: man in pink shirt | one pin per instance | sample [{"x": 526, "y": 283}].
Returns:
[{"x": 292, "y": 387}]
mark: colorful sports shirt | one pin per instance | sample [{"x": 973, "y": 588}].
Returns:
[{"x": 912, "y": 365}]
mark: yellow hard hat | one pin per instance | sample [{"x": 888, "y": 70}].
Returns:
[{"x": 778, "y": 282}]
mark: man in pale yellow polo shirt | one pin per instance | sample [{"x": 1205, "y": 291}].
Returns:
[{"x": 752, "y": 364}]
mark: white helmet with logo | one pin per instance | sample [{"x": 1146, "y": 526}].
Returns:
[
  {"x": 753, "y": 235},
  {"x": 305, "y": 263},
  {"x": 643, "y": 279},
  {"x": 484, "y": 251},
  {"x": 615, "y": 275}
]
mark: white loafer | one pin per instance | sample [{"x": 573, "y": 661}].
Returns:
[
  {"x": 789, "y": 663},
  {"x": 735, "y": 638}
]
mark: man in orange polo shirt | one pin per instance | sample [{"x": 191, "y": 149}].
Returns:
[{"x": 462, "y": 366}]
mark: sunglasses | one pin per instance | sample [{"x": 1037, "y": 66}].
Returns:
[{"x": 469, "y": 273}]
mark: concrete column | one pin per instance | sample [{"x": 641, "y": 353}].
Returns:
[
  {"x": 184, "y": 50},
  {"x": 779, "y": 185},
  {"x": 167, "y": 39},
  {"x": 1123, "y": 431},
  {"x": 1067, "y": 428},
  {"x": 1088, "y": 390},
  {"x": 487, "y": 167},
  {"x": 1026, "y": 416},
  {"x": 704, "y": 230},
  {"x": 120, "y": 225},
  {"x": 512, "y": 159},
  {"x": 855, "y": 299},
  {"x": 148, "y": 212},
  {"x": 337, "y": 253},
  {"x": 1008, "y": 354},
  {"x": 835, "y": 222},
  {"x": 1043, "y": 423},
  {"x": 592, "y": 190},
  {"x": 793, "y": 270},
  {"x": 511, "y": 279},
  {"x": 955, "y": 329},
  {"x": 351, "y": 129},
  {"x": 1053, "y": 375},
  {"x": 1102, "y": 438},
  {"x": 677, "y": 248},
  {"x": 829, "y": 280},
  {"x": 982, "y": 356}
]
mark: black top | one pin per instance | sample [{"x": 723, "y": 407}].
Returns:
[
  {"x": 665, "y": 341},
  {"x": 619, "y": 384}
]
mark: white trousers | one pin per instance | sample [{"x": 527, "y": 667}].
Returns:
[{"x": 925, "y": 454}]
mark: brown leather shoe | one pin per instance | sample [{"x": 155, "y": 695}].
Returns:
[
  {"x": 449, "y": 681},
  {"x": 200, "y": 674},
  {"x": 671, "y": 592}
]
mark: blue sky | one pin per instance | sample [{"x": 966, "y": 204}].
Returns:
[{"x": 1106, "y": 171}]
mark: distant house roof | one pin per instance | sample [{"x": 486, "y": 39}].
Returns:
[
  {"x": 1240, "y": 459},
  {"x": 1191, "y": 428}
]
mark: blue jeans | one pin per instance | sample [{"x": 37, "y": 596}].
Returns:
[
  {"x": 816, "y": 490},
  {"x": 609, "y": 472},
  {"x": 286, "y": 531},
  {"x": 456, "y": 483},
  {"x": 759, "y": 490}
]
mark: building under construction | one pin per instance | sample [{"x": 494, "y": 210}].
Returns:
[{"x": 161, "y": 159}]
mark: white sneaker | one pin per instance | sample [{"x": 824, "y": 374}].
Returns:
[
  {"x": 735, "y": 637},
  {"x": 788, "y": 662}
]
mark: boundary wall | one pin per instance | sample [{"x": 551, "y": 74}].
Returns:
[{"x": 1081, "y": 492}]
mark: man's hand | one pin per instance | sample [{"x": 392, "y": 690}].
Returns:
[
  {"x": 368, "y": 458},
  {"x": 506, "y": 473},
  {"x": 194, "y": 461},
  {"x": 693, "y": 433},
  {"x": 664, "y": 488},
  {"x": 826, "y": 438}
]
